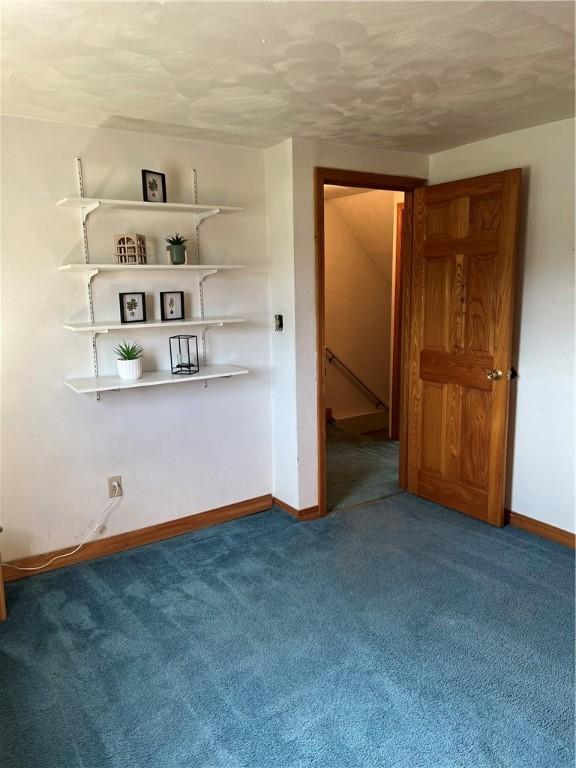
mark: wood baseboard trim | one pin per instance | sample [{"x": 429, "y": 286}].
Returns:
[
  {"x": 3, "y": 612},
  {"x": 371, "y": 421},
  {"x": 309, "y": 513},
  {"x": 538, "y": 528},
  {"x": 139, "y": 537}
]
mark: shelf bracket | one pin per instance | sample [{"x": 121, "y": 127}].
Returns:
[
  {"x": 91, "y": 274},
  {"x": 86, "y": 210},
  {"x": 200, "y": 217},
  {"x": 204, "y": 273}
]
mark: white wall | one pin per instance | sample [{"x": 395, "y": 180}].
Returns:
[
  {"x": 358, "y": 239},
  {"x": 278, "y": 163},
  {"x": 168, "y": 443},
  {"x": 290, "y": 175},
  {"x": 307, "y": 155},
  {"x": 542, "y": 424}
]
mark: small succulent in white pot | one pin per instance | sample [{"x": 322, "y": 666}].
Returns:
[{"x": 129, "y": 360}]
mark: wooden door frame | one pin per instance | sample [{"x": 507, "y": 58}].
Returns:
[
  {"x": 396, "y": 337},
  {"x": 346, "y": 178}
]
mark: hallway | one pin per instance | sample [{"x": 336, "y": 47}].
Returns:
[{"x": 360, "y": 468}]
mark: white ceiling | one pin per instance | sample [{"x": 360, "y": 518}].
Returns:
[{"x": 422, "y": 76}]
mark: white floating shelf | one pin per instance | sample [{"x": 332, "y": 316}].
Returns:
[
  {"x": 92, "y": 203},
  {"x": 151, "y": 379},
  {"x": 147, "y": 267},
  {"x": 103, "y": 326}
]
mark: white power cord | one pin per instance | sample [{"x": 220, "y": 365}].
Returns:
[{"x": 90, "y": 533}]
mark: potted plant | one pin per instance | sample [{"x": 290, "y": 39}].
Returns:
[
  {"x": 177, "y": 248},
  {"x": 129, "y": 360}
]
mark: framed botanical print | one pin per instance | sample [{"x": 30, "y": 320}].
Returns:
[
  {"x": 154, "y": 186},
  {"x": 132, "y": 307},
  {"x": 172, "y": 305}
]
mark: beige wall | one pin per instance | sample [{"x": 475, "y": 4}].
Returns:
[
  {"x": 280, "y": 235},
  {"x": 294, "y": 377},
  {"x": 172, "y": 444},
  {"x": 541, "y": 472},
  {"x": 359, "y": 231}
]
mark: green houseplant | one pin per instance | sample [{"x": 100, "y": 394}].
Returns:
[
  {"x": 129, "y": 360},
  {"x": 177, "y": 248}
]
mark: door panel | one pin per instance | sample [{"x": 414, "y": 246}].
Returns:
[
  {"x": 463, "y": 268},
  {"x": 485, "y": 213},
  {"x": 475, "y": 437},
  {"x": 433, "y": 427},
  {"x": 478, "y": 309},
  {"x": 437, "y": 283}
]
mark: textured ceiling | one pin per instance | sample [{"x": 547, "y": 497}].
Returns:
[{"x": 422, "y": 76}]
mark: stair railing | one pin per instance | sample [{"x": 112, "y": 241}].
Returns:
[{"x": 332, "y": 358}]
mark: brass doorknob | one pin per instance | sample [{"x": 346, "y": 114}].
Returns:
[{"x": 494, "y": 375}]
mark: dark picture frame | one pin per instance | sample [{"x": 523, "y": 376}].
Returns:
[
  {"x": 167, "y": 314},
  {"x": 151, "y": 195},
  {"x": 138, "y": 311}
]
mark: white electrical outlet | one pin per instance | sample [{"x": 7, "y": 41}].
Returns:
[{"x": 114, "y": 487}]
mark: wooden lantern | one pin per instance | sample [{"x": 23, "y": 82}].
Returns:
[{"x": 130, "y": 249}]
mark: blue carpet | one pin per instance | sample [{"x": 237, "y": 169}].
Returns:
[
  {"x": 359, "y": 468},
  {"x": 398, "y": 635}
]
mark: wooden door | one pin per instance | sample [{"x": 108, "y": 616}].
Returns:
[{"x": 463, "y": 276}]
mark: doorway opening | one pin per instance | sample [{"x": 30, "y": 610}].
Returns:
[
  {"x": 362, "y": 236},
  {"x": 363, "y": 223}
]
